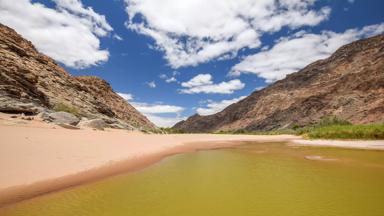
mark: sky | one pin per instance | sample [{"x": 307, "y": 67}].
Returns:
[{"x": 172, "y": 59}]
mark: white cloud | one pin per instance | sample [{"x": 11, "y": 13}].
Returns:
[
  {"x": 153, "y": 113},
  {"x": 293, "y": 53},
  {"x": 259, "y": 88},
  {"x": 163, "y": 76},
  {"x": 117, "y": 37},
  {"x": 169, "y": 79},
  {"x": 190, "y": 32},
  {"x": 199, "y": 80},
  {"x": 351, "y": 1},
  {"x": 126, "y": 96},
  {"x": 157, "y": 108},
  {"x": 175, "y": 73},
  {"x": 203, "y": 83},
  {"x": 213, "y": 107},
  {"x": 68, "y": 33},
  {"x": 161, "y": 121},
  {"x": 151, "y": 84}
]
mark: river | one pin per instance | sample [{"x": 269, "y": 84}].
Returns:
[{"x": 271, "y": 179}]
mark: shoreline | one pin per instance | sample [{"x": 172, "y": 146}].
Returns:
[
  {"x": 37, "y": 158},
  {"x": 20, "y": 193},
  {"x": 377, "y": 145}
]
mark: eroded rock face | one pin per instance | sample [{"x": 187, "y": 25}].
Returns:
[
  {"x": 31, "y": 82},
  {"x": 349, "y": 85}
]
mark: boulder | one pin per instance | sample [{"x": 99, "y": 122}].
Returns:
[
  {"x": 43, "y": 116},
  {"x": 63, "y": 118},
  {"x": 98, "y": 124}
]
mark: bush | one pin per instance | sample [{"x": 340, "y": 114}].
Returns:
[
  {"x": 172, "y": 130},
  {"x": 324, "y": 122},
  {"x": 373, "y": 131},
  {"x": 331, "y": 120},
  {"x": 61, "y": 107}
]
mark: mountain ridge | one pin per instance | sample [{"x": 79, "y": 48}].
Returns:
[
  {"x": 31, "y": 82},
  {"x": 348, "y": 84}
]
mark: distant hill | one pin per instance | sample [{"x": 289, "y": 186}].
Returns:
[
  {"x": 31, "y": 82},
  {"x": 349, "y": 85}
]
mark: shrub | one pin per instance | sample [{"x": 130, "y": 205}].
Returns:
[
  {"x": 61, "y": 107},
  {"x": 331, "y": 120},
  {"x": 373, "y": 131},
  {"x": 172, "y": 130}
]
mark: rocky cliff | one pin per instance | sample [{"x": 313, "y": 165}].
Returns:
[
  {"x": 349, "y": 84},
  {"x": 31, "y": 82}
]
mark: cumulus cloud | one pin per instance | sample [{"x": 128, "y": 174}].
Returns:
[
  {"x": 191, "y": 32},
  {"x": 213, "y": 107},
  {"x": 69, "y": 33},
  {"x": 162, "y": 121},
  {"x": 157, "y": 108},
  {"x": 203, "y": 83},
  {"x": 117, "y": 37},
  {"x": 151, "y": 84},
  {"x": 126, "y": 96},
  {"x": 292, "y": 53},
  {"x": 169, "y": 79},
  {"x": 154, "y": 113},
  {"x": 199, "y": 80},
  {"x": 259, "y": 88}
]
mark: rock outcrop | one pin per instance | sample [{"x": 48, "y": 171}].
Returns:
[
  {"x": 349, "y": 84},
  {"x": 31, "y": 82},
  {"x": 98, "y": 124},
  {"x": 63, "y": 118}
]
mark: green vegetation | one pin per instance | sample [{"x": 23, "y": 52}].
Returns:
[
  {"x": 329, "y": 127},
  {"x": 168, "y": 130},
  {"x": 246, "y": 132},
  {"x": 61, "y": 107},
  {"x": 332, "y": 127},
  {"x": 374, "y": 131}
]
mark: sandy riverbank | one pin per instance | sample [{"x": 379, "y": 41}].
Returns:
[
  {"x": 37, "y": 158},
  {"x": 351, "y": 144}
]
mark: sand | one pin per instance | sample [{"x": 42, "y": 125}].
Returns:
[
  {"x": 351, "y": 144},
  {"x": 38, "y": 158}
]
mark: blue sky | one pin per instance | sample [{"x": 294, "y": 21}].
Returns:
[{"x": 173, "y": 58}]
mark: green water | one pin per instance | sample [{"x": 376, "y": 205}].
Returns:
[{"x": 258, "y": 179}]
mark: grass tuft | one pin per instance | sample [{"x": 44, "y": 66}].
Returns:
[{"x": 61, "y": 107}]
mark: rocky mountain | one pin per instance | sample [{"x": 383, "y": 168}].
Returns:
[
  {"x": 31, "y": 82},
  {"x": 349, "y": 85}
]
